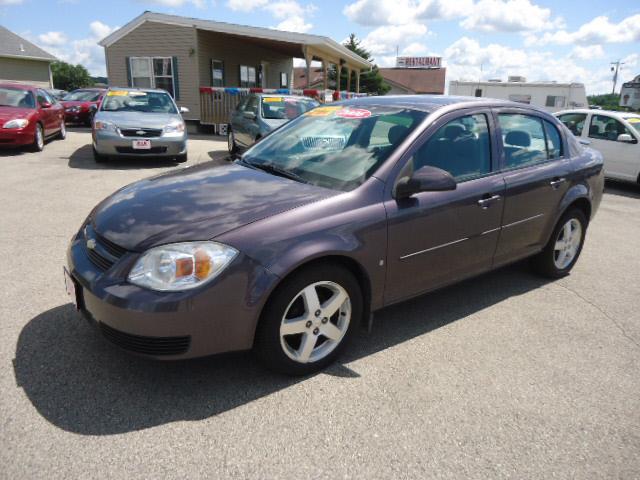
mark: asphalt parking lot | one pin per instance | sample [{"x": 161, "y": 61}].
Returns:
[{"x": 503, "y": 376}]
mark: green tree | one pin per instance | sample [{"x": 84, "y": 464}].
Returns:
[
  {"x": 69, "y": 77},
  {"x": 371, "y": 81},
  {"x": 608, "y": 101}
]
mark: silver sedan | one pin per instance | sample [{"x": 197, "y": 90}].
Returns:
[{"x": 136, "y": 122}]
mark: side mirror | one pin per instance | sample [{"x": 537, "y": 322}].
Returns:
[
  {"x": 626, "y": 138},
  {"x": 249, "y": 115},
  {"x": 426, "y": 179},
  {"x": 183, "y": 110},
  {"x": 45, "y": 105}
]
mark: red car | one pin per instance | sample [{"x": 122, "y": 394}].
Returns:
[
  {"x": 81, "y": 104},
  {"x": 29, "y": 115}
]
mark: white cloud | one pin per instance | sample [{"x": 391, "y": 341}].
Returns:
[
  {"x": 509, "y": 16},
  {"x": 400, "y": 12},
  {"x": 597, "y": 31},
  {"x": 590, "y": 52},
  {"x": 246, "y": 5},
  {"x": 466, "y": 59},
  {"x": 85, "y": 51},
  {"x": 384, "y": 40},
  {"x": 292, "y": 15}
]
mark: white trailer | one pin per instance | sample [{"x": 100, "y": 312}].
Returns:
[
  {"x": 630, "y": 94},
  {"x": 551, "y": 96}
]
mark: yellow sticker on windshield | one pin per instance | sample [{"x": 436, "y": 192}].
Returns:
[
  {"x": 118, "y": 93},
  {"x": 272, "y": 99},
  {"x": 322, "y": 111},
  {"x": 633, "y": 120}
]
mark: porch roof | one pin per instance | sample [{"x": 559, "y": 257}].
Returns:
[{"x": 299, "y": 45}]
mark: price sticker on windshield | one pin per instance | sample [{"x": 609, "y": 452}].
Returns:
[
  {"x": 322, "y": 111},
  {"x": 272, "y": 99},
  {"x": 354, "y": 113},
  {"x": 118, "y": 93}
]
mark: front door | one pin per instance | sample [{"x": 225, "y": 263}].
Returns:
[
  {"x": 436, "y": 238},
  {"x": 48, "y": 114},
  {"x": 621, "y": 159},
  {"x": 536, "y": 178},
  {"x": 246, "y": 125}
]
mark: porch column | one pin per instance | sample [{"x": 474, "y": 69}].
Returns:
[
  {"x": 339, "y": 74},
  {"x": 358, "y": 81},
  {"x": 325, "y": 74},
  {"x": 348, "y": 79},
  {"x": 308, "y": 58}
]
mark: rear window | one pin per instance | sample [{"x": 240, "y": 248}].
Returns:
[
  {"x": 285, "y": 108},
  {"x": 137, "y": 101},
  {"x": 16, "y": 97},
  {"x": 82, "y": 96}
]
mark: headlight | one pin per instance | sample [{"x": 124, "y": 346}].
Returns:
[
  {"x": 174, "y": 128},
  {"x": 17, "y": 123},
  {"x": 100, "y": 125},
  {"x": 181, "y": 266}
]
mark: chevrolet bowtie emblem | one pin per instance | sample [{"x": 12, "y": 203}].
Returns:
[
  {"x": 140, "y": 132},
  {"x": 91, "y": 244}
]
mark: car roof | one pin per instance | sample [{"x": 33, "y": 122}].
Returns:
[
  {"x": 612, "y": 113},
  {"x": 22, "y": 86},
  {"x": 283, "y": 95},
  {"x": 429, "y": 103},
  {"x": 138, "y": 89}
]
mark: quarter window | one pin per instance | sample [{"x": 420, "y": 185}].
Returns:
[
  {"x": 554, "y": 140},
  {"x": 523, "y": 139},
  {"x": 461, "y": 147},
  {"x": 574, "y": 122},
  {"x": 606, "y": 128}
]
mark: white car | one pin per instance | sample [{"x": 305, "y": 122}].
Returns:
[{"x": 615, "y": 134}]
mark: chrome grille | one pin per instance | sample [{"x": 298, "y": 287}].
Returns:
[
  {"x": 101, "y": 252},
  {"x": 141, "y": 132}
]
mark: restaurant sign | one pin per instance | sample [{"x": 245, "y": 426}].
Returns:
[{"x": 418, "y": 62}]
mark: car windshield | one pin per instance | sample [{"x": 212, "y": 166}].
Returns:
[
  {"x": 82, "y": 96},
  {"x": 137, "y": 101},
  {"x": 16, "y": 97},
  {"x": 634, "y": 122},
  {"x": 285, "y": 108},
  {"x": 337, "y": 147}
]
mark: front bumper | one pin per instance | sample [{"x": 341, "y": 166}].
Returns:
[
  {"x": 15, "y": 137},
  {"x": 113, "y": 143},
  {"x": 219, "y": 317}
]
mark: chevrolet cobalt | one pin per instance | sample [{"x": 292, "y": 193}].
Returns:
[{"x": 349, "y": 208}]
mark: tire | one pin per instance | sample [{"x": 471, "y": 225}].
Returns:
[
  {"x": 181, "y": 158},
  {"x": 287, "y": 353},
  {"x": 231, "y": 141},
  {"x": 38, "y": 140},
  {"x": 560, "y": 255},
  {"x": 63, "y": 131},
  {"x": 99, "y": 158}
]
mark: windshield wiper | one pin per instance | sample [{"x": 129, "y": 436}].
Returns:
[{"x": 275, "y": 170}]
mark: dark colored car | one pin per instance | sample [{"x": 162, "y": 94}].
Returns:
[
  {"x": 80, "y": 105},
  {"x": 56, "y": 93},
  {"x": 345, "y": 210},
  {"x": 28, "y": 116},
  {"x": 257, "y": 114}
]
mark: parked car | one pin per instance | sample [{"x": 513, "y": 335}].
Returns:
[
  {"x": 257, "y": 114},
  {"x": 28, "y": 116},
  {"x": 615, "y": 134},
  {"x": 345, "y": 210},
  {"x": 80, "y": 105},
  {"x": 56, "y": 93},
  {"x": 135, "y": 122}
]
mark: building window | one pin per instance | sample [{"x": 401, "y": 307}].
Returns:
[
  {"x": 152, "y": 72},
  {"x": 217, "y": 73},
  {"x": 520, "y": 98},
  {"x": 555, "y": 101},
  {"x": 247, "y": 76},
  {"x": 478, "y": 92},
  {"x": 284, "y": 80}
]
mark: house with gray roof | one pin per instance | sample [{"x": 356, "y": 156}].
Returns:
[{"x": 23, "y": 62}]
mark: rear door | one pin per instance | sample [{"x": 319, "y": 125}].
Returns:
[
  {"x": 436, "y": 238},
  {"x": 535, "y": 172},
  {"x": 621, "y": 159}
]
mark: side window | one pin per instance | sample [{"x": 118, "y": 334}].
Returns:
[
  {"x": 242, "y": 104},
  {"x": 252, "y": 105},
  {"x": 42, "y": 97},
  {"x": 554, "y": 140},
  {"x": 389, "y": 130},
  {"x": 574, "y": 122},
  {"x": 606, "y": 128},
  {"x": 523, "y": 139},
  {"x": 462, "y": 147}
]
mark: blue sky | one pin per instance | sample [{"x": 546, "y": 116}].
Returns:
[{"x": 478, "y": 39}]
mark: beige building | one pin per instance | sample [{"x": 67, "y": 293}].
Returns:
[
  {"x": 185, "y": 56},
  {"x": 23, "y": 62}
]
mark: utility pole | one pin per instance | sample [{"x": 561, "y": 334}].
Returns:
[{"x": 615, "y": 69}]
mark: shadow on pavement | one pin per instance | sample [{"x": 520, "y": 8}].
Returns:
[
  {"x": 623, "y": 189},
  {"x": 83, "y": 158},
  {"x": 82, "y": 384}
]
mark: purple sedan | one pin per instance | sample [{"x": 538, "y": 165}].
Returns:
[{"x": 345, "y": 210}]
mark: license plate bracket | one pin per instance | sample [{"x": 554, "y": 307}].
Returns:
[{"x": 141, "y": 145}]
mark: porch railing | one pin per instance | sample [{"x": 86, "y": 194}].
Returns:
[{"x": 216, "y": 103}]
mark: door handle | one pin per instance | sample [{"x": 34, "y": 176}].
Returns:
[
  {"x": 486, "y": 202},
  {"x": 556, "y": 182}
]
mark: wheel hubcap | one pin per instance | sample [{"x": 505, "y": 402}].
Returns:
[
  {"x": 39, "y": 137},
  {"x": 567, "y": 244},
  {"x": 315, "y": 322}
]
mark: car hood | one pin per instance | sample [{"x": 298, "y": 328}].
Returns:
[
  {"x": 9, "y": 113},
  {"x": 138, "y": 119},
  {"x": 197, "y": 203}
]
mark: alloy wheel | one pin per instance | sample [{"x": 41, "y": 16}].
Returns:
[
  {"x": 39, "y": 138},
  {"x": 567, "y": 244},
  {"x": 315, "y": 322}
]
